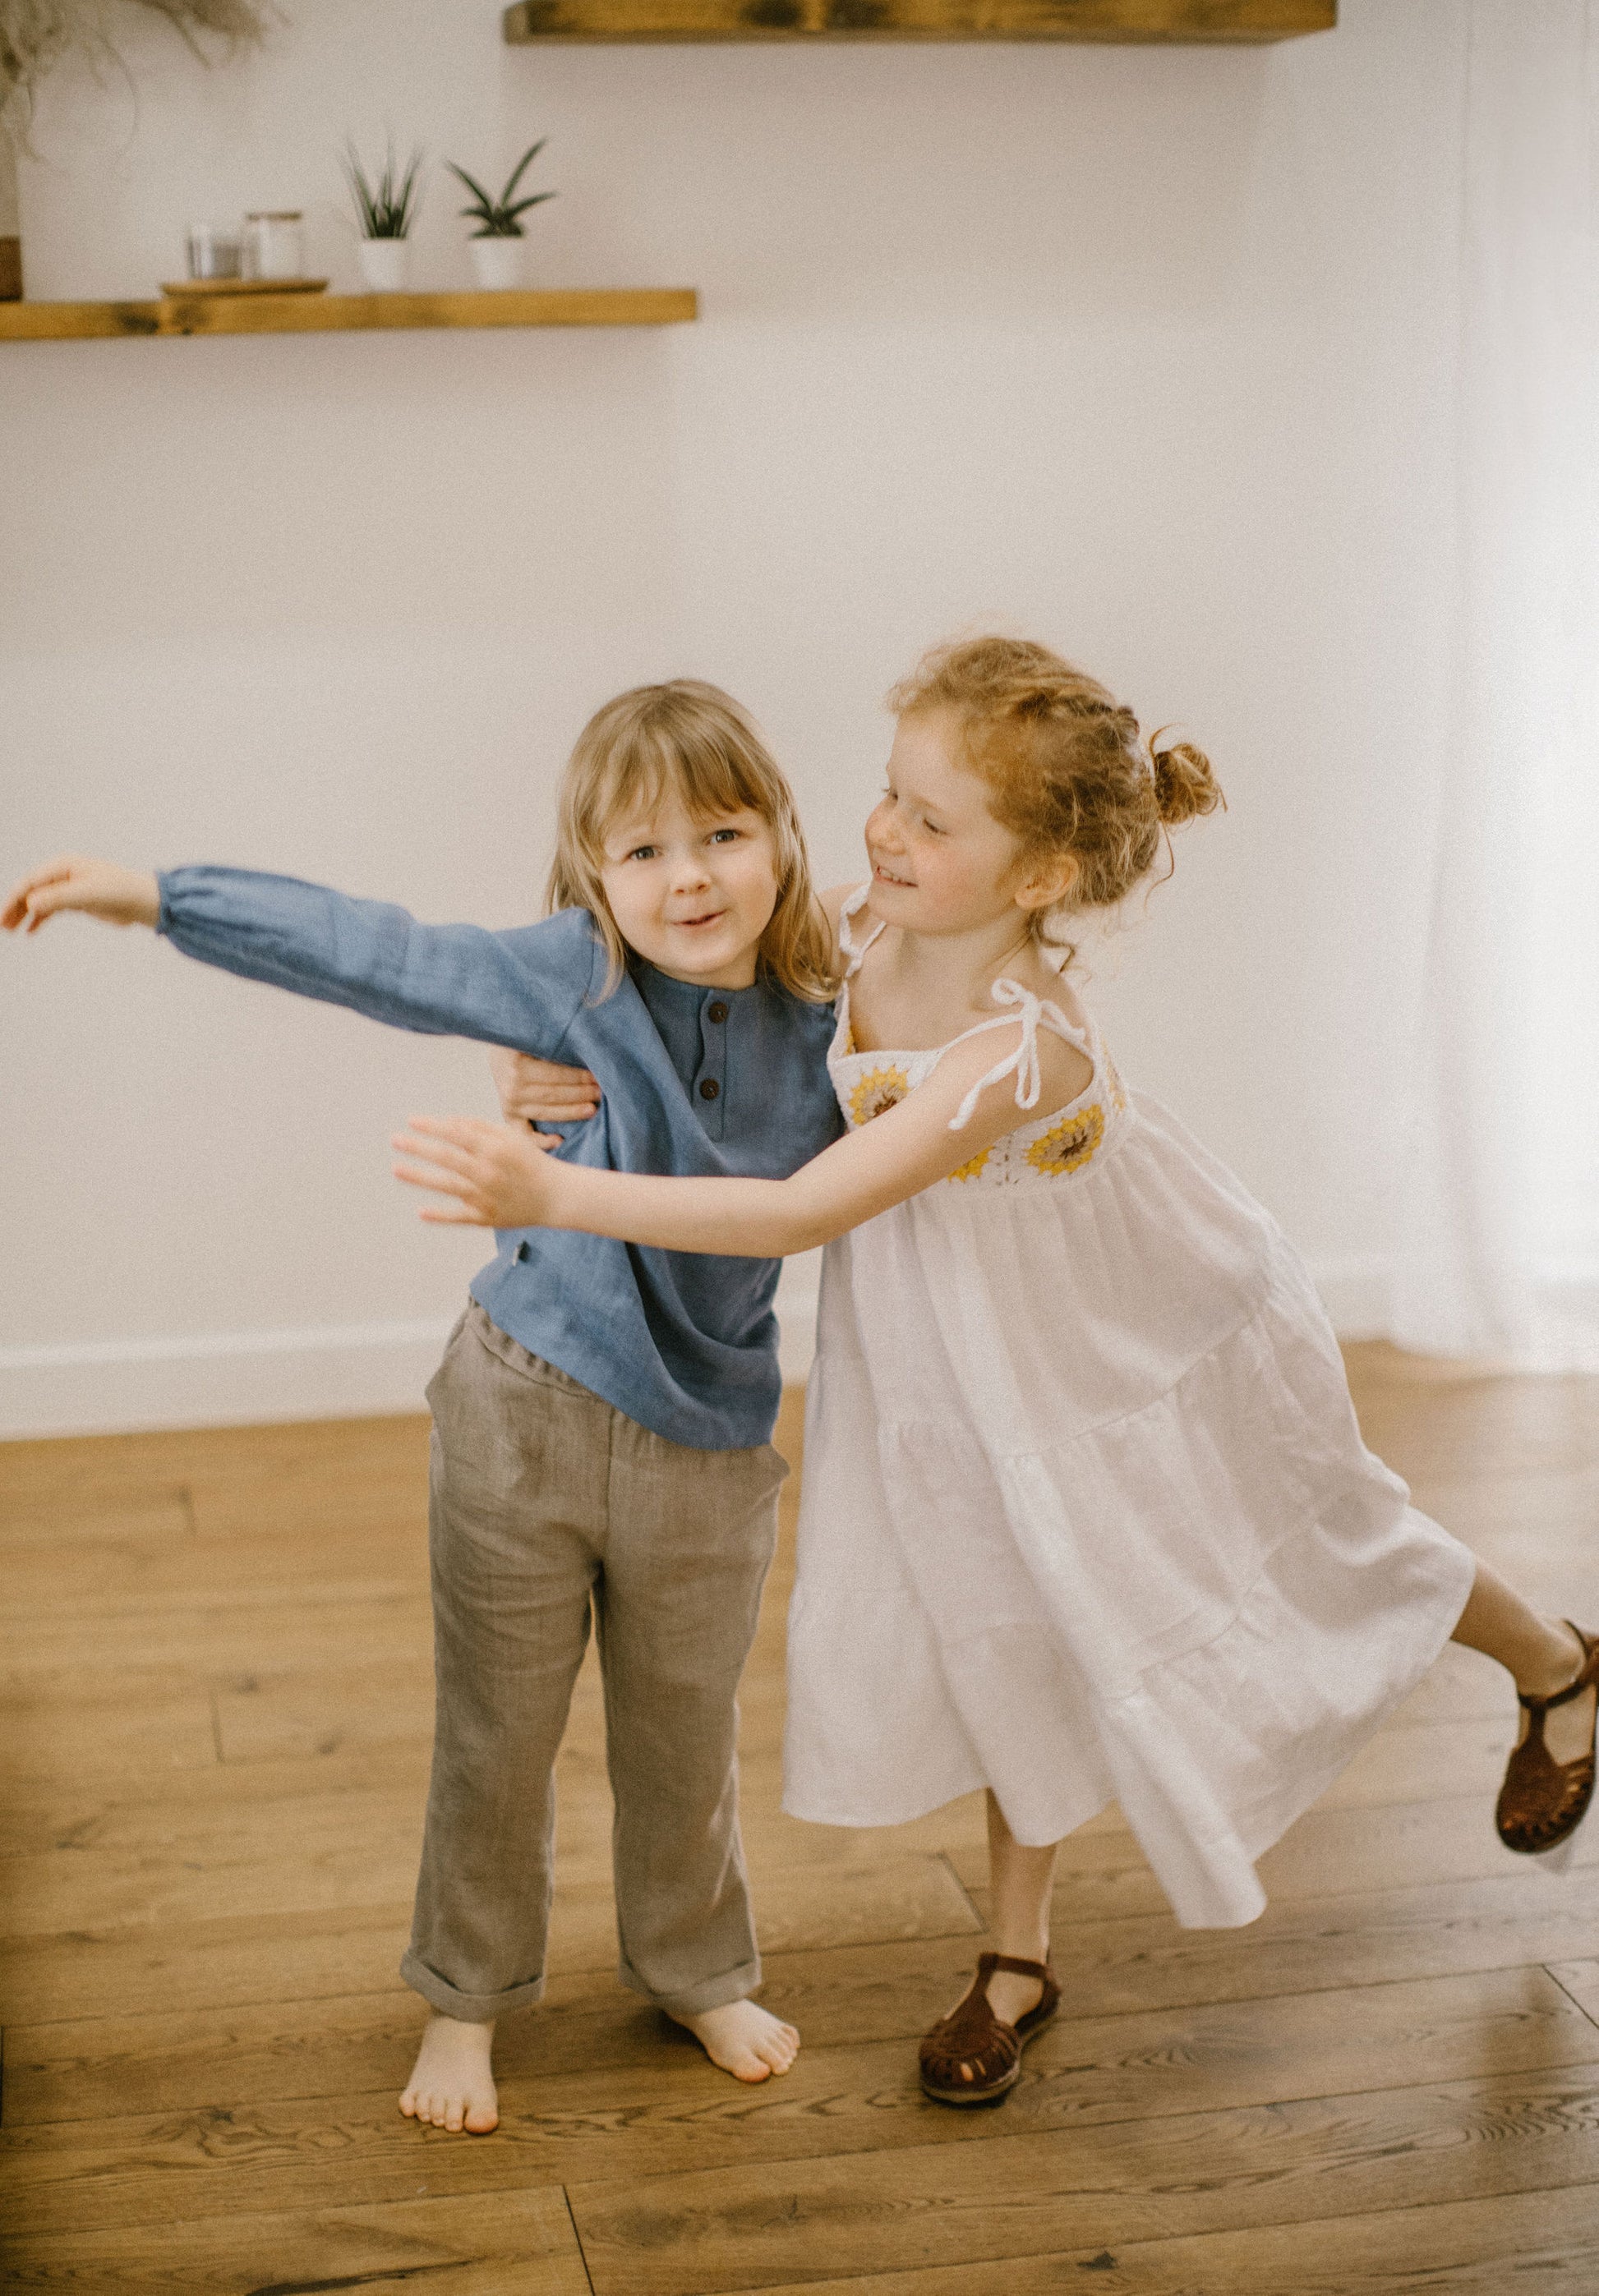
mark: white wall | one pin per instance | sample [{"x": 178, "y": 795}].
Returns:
[{"x": 1147, "y": 352}]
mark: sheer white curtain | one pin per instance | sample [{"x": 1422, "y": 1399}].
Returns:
[{"x": 1499, "y": 1250}]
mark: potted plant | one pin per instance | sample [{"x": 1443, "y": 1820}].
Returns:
[
  {"x": 385, "y": 211},
  {"x": 497, "y": 244}
]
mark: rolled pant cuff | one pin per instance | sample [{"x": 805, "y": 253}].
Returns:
[
  {"x": 715, "y": 1993},
  {"x": 468, "y": 2008}
]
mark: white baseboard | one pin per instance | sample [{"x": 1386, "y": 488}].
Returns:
[
  {"x": 218, "y": 1379},
  {"x": 228, "y": 1379}
]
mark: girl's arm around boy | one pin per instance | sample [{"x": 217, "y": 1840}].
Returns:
[{"x": 500, "y": 1178}]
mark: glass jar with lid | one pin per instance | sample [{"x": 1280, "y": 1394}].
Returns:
[{"x": 274, "y": 244}]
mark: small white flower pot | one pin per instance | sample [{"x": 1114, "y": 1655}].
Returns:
[
  {"x": 497, "y": 262},
  {"x": 385, "y": 264}
]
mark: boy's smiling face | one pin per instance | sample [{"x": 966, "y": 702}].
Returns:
[{"x": 692, "y": 896}]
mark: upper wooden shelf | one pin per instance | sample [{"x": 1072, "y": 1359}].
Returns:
[
  {"x": 319, "y": 314},
  {"x": 1171, "y": 22}
]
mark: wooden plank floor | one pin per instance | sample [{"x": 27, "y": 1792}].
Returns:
[{"x": 215, "y": 1702}]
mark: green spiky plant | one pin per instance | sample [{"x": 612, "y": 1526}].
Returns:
[
  {"x": 385, "y": 209},
  {"x": 501, "y": 218}
]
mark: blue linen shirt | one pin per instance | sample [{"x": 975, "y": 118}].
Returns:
[{"x": 703, "y": 1081}]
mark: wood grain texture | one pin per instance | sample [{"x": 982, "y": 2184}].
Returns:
[
  {"x": 1544, "y": 2241},
  {"x": 1017, "y": 2196},
  {"x": 323, "y": 315},
  {"x": 214, "y": 1686},
  {"x": 524, "y": 2245},
  {"x": 177, "y": 1966},
  {"x": 671, "y": 2114},
  {"x": 1116, "y": 21}
]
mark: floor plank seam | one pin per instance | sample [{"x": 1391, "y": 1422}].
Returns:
[
  {"x": 1555, "y": 1979},
  {"x": 571, "y": 2218},
  {"x": 944, "y": 1858}
]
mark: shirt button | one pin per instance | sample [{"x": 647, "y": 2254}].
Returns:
[
  {"x": 717, "y": 1012},
  {"x": 708, "y": 1087}
]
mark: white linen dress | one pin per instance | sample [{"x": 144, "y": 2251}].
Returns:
[{"x": 1086, "y": 1514}]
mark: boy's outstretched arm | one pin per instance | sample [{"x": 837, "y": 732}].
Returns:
[
  {"x": 514, "y": 989},
  {"x": 98, "y": 888}
]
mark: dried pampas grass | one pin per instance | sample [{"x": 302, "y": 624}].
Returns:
[{"x": 35, "y": 33}]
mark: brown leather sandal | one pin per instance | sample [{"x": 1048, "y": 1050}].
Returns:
[
  {"x": 972, "y": 2035},
  {"x": 1542, "y": 1802}
]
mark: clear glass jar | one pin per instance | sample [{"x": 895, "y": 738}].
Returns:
[
  {"x": 274, "y": 244},
  {"x": 214, "y": 251}
]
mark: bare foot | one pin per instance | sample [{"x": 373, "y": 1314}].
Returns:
[
  {"x": 452, "y": 2082},
  {"x": 744, "y": 2038}
]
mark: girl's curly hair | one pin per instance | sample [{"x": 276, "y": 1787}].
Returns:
[{"x": 1066, "y": 768}]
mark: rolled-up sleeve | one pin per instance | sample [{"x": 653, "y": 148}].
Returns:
[{"x": 521, "y": 988}]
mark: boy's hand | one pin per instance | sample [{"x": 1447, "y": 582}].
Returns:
[
  {"x": 542, "y": 1092},
  {"x": 499, "y": 1176},
  {"x": 99, "y": 888}
]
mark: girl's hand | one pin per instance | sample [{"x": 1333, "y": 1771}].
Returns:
[
  {"x": 499, "y": 1178},
  {"x": 541, "y": 1091},
  {"x": 99, "y": 888}
]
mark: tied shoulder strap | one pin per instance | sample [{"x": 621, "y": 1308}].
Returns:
[
  {"x": 853, "y": 949},
  {"x": 1024, "y": 1060}
]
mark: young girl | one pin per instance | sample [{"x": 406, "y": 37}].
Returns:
[
  {"x": 601, "y": 1416},
  {"x": 1086, "y": 1514}
]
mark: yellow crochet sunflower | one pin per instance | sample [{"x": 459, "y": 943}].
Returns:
[
  {"x": 973, "y": 1165},
  {"x": 1068, "y": 1147},
  {"x": 878, "y": 1089}
]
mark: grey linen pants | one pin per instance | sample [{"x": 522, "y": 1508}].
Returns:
[{"x": 546, "y": 1504}]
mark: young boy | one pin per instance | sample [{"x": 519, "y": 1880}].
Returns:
[{"x": 602, "y": 1415}]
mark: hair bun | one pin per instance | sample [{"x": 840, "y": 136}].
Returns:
[{"x": 1184, "y": 784}]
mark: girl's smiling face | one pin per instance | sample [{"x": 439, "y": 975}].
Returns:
[
  {"x": 940, "y": 862},
  {"x": 692, "y": 896}
]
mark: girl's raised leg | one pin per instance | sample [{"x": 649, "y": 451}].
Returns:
[{"x": 1541, "y": 1654}]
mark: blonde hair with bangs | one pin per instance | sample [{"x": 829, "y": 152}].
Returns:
[{"x": 693, "y": 740}]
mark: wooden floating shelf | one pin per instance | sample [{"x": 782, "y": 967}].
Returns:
[
  {"x": 321, "y": 315},
  {"x": 1126, "y": 22}
]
